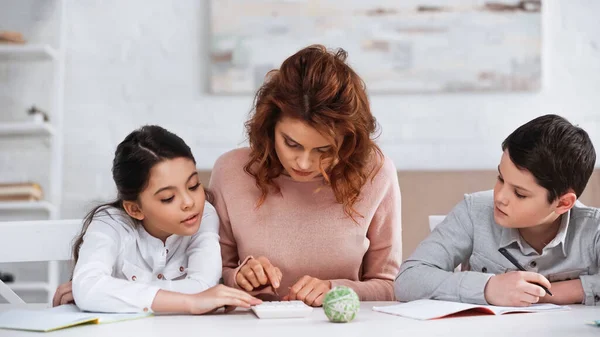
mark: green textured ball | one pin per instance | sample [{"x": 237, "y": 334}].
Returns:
[{"x": 341, "y": 304}]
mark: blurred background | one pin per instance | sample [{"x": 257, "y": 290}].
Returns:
[{"x": 448, "y": 81}]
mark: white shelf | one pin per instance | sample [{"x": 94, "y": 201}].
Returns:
[
  {"x": 28, "y": 286},
  {"x": 26, "y": 206},
  {"x": 26, "y": 53},
  {"x": 52, "y": 55},
  {"x": 26, "y": 129}
]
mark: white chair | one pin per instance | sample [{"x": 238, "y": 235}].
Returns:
[
  {"x": 435, "y": 220},
  {"x": 28, "y": 241}
]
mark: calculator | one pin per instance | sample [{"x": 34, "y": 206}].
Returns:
[{"x": 283, "y": 309}]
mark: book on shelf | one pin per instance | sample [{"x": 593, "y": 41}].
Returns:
[
  {"x": 11, "y": 37},
  {"x": 20, "y": 192}
]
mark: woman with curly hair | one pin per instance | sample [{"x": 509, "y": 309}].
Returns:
[{"x": 312, "y": 203}]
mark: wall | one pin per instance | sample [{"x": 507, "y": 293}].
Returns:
[{"x": 136, "y": 62}]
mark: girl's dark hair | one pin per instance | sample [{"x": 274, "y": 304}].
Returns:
[{"x": 134, "y": 158}]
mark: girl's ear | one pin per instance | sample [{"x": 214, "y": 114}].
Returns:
[{"x": 133, "y": 209}]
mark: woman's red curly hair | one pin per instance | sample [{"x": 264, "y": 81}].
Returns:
[{"x": 319, "y": 88}]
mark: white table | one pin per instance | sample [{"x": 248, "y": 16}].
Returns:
[{"x": 368, "y": 323}]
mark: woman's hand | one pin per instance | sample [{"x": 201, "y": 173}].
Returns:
[
  {"x": 309, "y": 290},
  {"x": 257, "y": 273}
]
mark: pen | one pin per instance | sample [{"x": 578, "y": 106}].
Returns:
[{"x": 516, "y": 263}]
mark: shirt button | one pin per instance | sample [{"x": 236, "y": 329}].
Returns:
[
  {"x": 160, "y": 276},
  {"x": 145, "y": 309},
  {"x": 484, "y": 270},
  {"x": 133, "y": 278},
  {"x": 181, "y": 269},
  {"x": 533, "y": 264},
  {"x": 167, "y": 251}
]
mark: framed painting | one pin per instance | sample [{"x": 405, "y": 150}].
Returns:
[{"x": 406, "y": 46}]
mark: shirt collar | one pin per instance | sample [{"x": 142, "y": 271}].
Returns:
[
  {"x": 152, "y": 248},
  {"x": 511, "y": 235},
  {"x": 561, "y": 236}
]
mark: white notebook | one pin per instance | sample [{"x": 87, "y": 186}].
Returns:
[
  {"x": 432, "y": 309},
  {"x": 60, "y": 317}
]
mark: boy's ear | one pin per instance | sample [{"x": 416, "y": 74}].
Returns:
[
  {"x": 566, "y": 202},
  {"x": 133, "y": 209}
]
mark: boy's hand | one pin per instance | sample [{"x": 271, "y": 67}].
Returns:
[
  {"x": 515, "y": 289},
  {"x": 565, "y": 293}
]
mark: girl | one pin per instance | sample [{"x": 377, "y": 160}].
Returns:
[
  {"x": 313, "y": 203},
  {"x": 156, "y": 248}
]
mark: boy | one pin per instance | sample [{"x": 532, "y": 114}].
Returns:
[{"x": 533, "y": 213}]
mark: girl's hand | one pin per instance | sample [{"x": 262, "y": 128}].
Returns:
[
  {"x": 220, "y": 296},
  {"x": 63, "y": 294}
]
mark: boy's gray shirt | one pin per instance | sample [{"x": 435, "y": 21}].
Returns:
[{"x": 469, "y": 233}]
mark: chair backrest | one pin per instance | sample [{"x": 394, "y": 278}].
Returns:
[
  {"x": 435, "y": 220},
  {"x": 28, "y": 241},
  {"x": 45, "y": 240}
]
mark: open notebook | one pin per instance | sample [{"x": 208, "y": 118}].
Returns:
[
  {"x": 432, "y": 309},
  {"x": 60, "y": 317}
]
